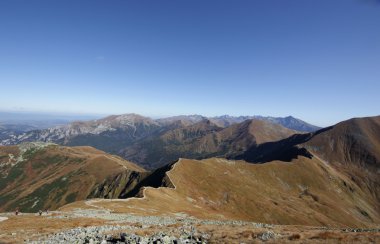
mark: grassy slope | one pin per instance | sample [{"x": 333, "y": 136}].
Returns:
[
  {"x": 306, "y": 192},
  {"x": 55, "y": 175},
  {"x": 353, "y": 147}
]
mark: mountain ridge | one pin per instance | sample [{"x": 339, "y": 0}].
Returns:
[
  {"x": 116, "y": 134},
  {"x": 202, "y": 140}
]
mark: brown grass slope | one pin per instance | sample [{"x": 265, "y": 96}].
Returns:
[
  {"x": 51, "y": 176},
  {"x": 352, "y": 147},
  {"x": 303, "y": 192}
]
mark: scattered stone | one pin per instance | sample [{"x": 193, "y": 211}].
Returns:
[{"x": 265, "y": 236}]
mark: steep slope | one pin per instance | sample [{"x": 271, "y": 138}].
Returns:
[
  {"x": 202, "y": 140},
  {"x": 353, "y": 147},
  {"x": 355, "y": 141},
  {"x": 304, "y": 192},
  {"x": 37, "y": 176}
]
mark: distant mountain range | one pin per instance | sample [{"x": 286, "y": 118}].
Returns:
[
  {"x": 203, "y": 139},
  {"x": 254, "y": 170},
  {"x": 154, "y": 143},
  {"x": 16, "y": 123},
  {"x": 227, "y": 120}
]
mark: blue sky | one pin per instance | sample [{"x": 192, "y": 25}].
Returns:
[{"x": 316, "y": 60}]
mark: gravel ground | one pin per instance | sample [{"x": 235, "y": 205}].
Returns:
[
  {"x": 179, "y": 228},
  {"x": 120, "y": 226},
  {"x": 153, "y": 220}
]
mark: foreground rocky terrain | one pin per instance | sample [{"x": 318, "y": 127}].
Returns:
[{"x": 103, "y": 226}]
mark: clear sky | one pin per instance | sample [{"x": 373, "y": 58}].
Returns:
[{"x": 316, "y": 60}]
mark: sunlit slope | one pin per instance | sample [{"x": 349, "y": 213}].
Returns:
[
  {"x": 305, "y": 191},
  {"x": 44, "y": 176}
]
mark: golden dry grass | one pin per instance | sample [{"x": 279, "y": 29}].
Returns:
[{"x": 306, "y": 192}]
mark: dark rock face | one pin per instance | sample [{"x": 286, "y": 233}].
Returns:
[
  {"x": 119, "y": 185},
  {"x": 157, "y": 178}
]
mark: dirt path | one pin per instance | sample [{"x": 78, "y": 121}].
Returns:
[
  {"x": 92, "y": 202},
  {"x": 3, "y": 218},
  {"x": 117, "y": 161}
]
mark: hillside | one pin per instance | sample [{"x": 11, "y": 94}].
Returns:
[
  {"x": 203, "y": 140},
  {"x": 304, "y": 192},
  {"x": 352, "y": 147},
  {"x": 37, "y": 176},
  {"x": 329, "y": 178}
]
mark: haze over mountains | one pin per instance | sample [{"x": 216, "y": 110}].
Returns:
[
  {"x": 16, "y": 123},
  {"x": 164, "y": 140}
]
